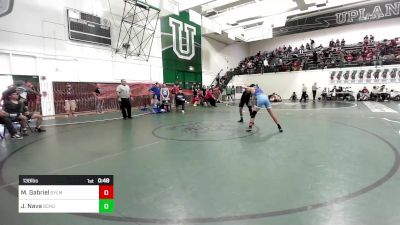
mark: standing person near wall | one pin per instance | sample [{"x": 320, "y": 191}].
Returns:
[
  {"x": 233, "y": 92},
  {"x": 174, "y": 91},
  {"x": 173, "y": 94},
  {"x": 99, "y": 101},
  {"x": 314, "y": 90},
  {"x": 228, "y": 94},
  {"x": 70, "y": 101},
  {"x": 32, "y": 98},
  {"x": 124, "y": 98},
  {"x": 155, "y": 89},
  {"x": 304, "y": 93}
]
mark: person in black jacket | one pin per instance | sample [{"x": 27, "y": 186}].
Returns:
[{"x": 180, "y": 99}]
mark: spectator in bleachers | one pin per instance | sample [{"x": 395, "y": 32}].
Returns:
[
  {"x": 312, "y": 43},
  {"x": 349, "y": 58},
  {"x": 332, "y": 44},
  {"x": 393, "y": 43},
  {"x": 315, "y": 57},
  {"x": 332, "y": 60},
  {"x": 326, "y": 57},
  {"x": 343, "y": 43},
  {"x": 279, "y": 64},
  {"x": 364, "y": 48},
  {"x": 265, "y": 64},
  {"x": 379, "y": 60},
  {"x": 371, "y": 39},
  {"x": 296, "y": 65},
  {"x": 360, "y": 60},
  {"x": 365, "y": 40},
  {"x": 390, "y": 58}
]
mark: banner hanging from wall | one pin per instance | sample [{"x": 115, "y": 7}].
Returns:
[
  {"x": 181, "y": 50},
  {"x": 361, "y": 14},
  {"x": 365, "y": 76}
]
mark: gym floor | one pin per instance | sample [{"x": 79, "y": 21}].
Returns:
[{"x": 335, "y": 163}]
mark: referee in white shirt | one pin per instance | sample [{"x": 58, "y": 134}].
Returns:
[
  {"x": 314, "y": 91},
  {"x": 304, "y": 93},
  {"x": 124, "y": 98}
]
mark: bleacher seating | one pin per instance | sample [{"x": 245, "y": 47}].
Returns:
[{"x": 284, "y": 59}]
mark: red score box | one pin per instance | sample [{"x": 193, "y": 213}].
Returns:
[{"x": 106, "y": 192}]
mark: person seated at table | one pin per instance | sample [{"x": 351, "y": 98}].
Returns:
[
  {"x": 394, "y": 95},
  {"x": 339, "y": 92},
  {"x": 374, "y": 93},
  {"x": 363, "y": 95},
  {"x": 324, "y": 94},
  {"x": 293, "y": 97},
  {"x": 383, "y": 93}
]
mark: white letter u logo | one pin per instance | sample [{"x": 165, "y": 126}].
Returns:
[{"x": 190, "y": 31}]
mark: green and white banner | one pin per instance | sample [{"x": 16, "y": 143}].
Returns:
[{"x": 181, "y": 50}]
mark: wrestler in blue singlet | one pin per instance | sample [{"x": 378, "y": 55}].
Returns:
[{"x": 262, "y": 99}]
